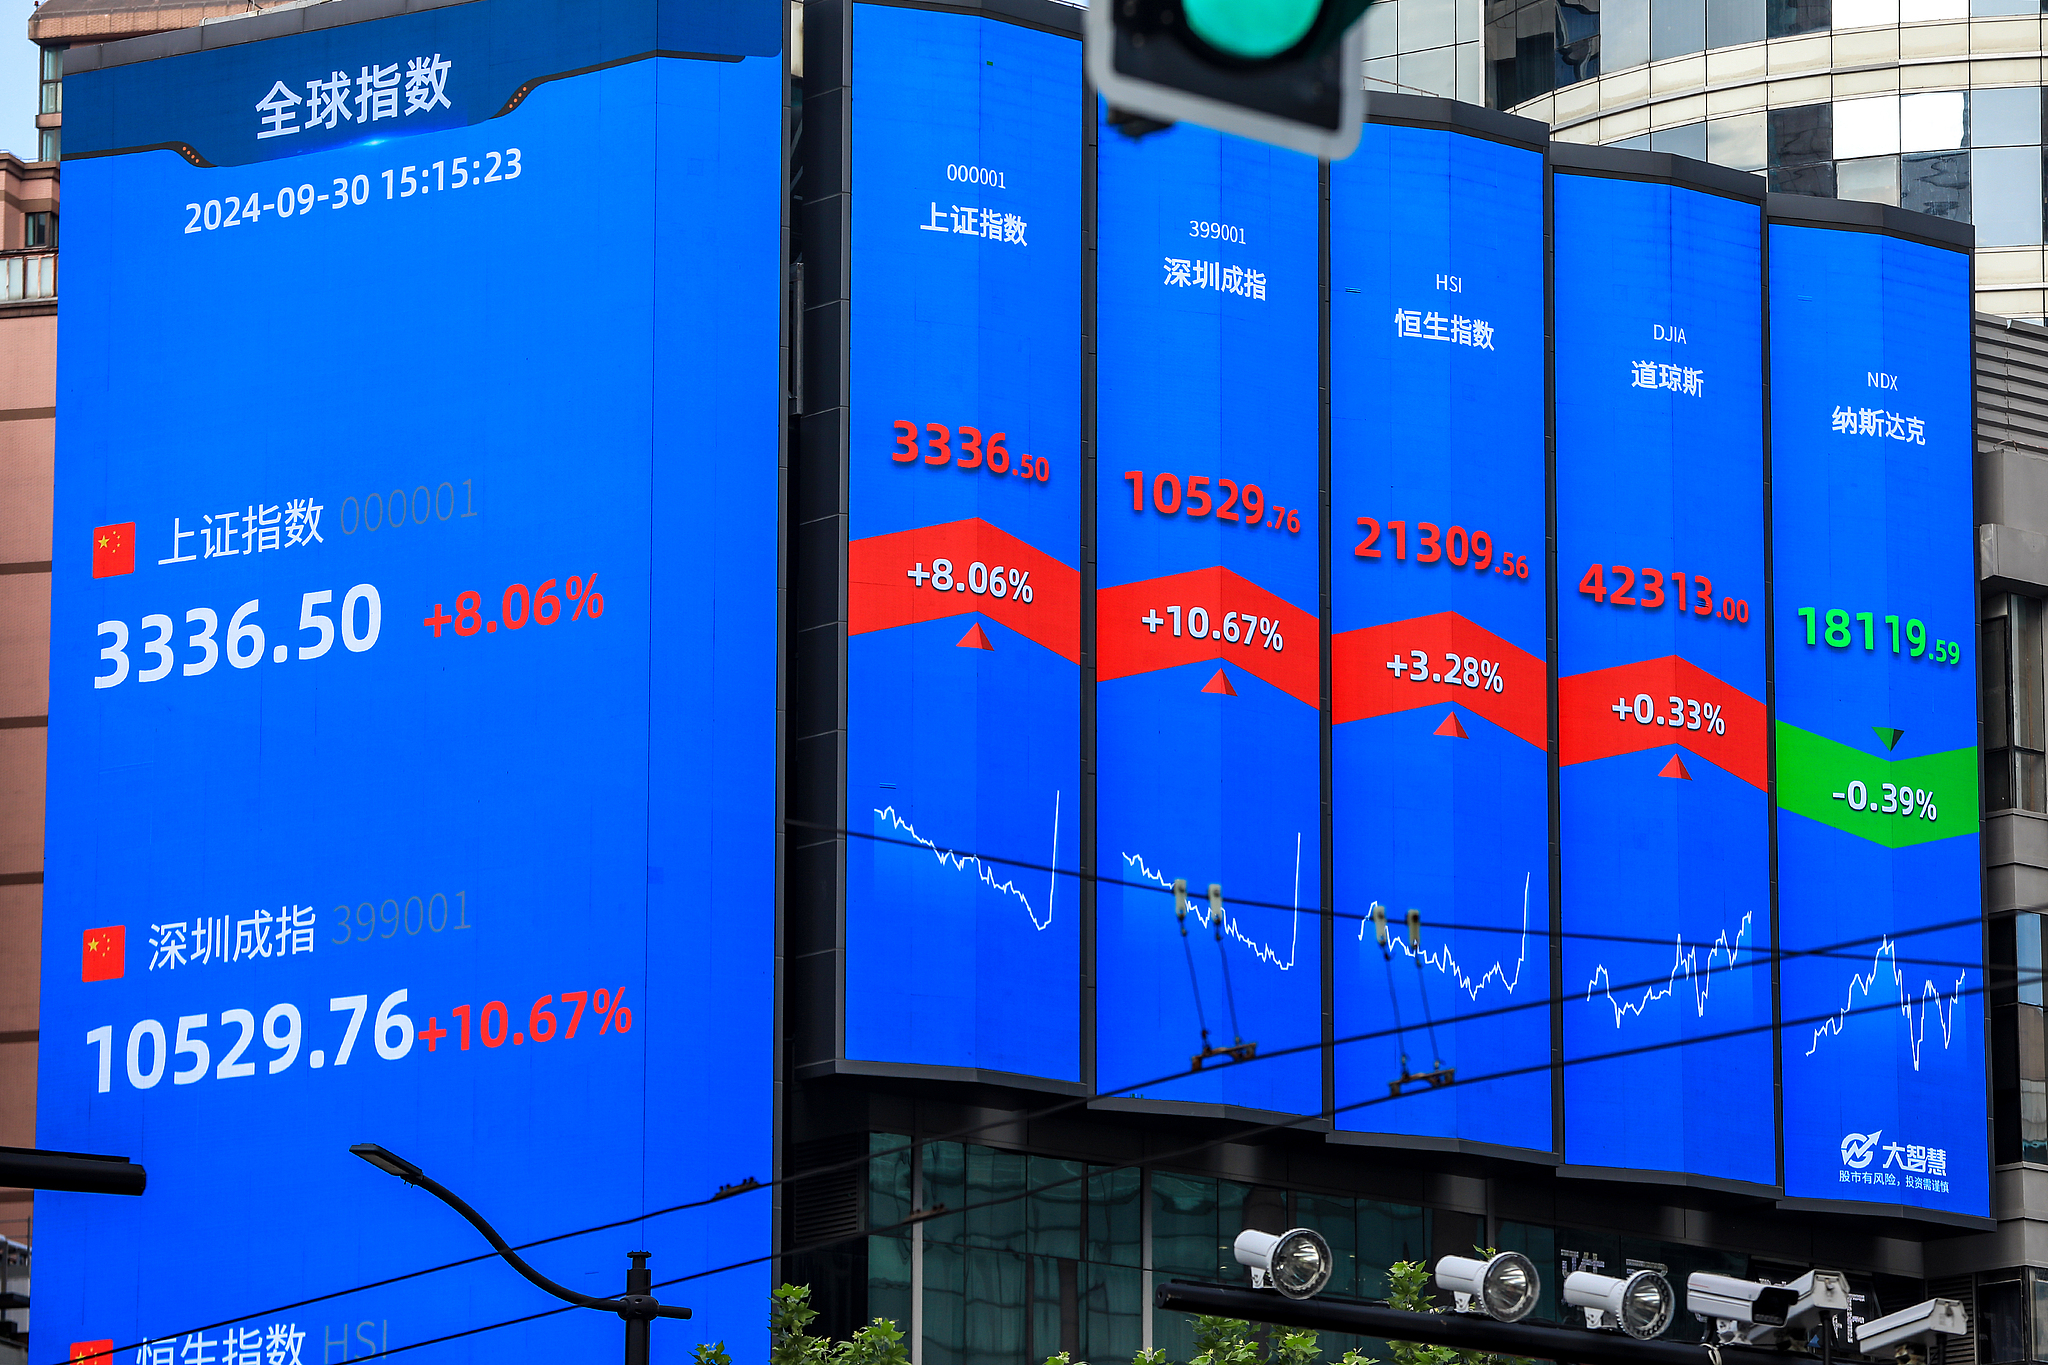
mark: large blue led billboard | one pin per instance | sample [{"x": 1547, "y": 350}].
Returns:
[
  {"x": 413, "y": 676},
  {"x": 1878, "y": 883},
  {"x": 1207, "y": 604},
  {"x": 963, "y": 587},
  {"x": 1663, "y": 824},
  {"x": 1438, "y": 652}
]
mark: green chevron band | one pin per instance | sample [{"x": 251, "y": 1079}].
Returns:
[{"x": 1824, "y": 781}]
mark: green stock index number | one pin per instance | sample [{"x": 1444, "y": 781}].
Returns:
[{"x": 1841, "y": 629}]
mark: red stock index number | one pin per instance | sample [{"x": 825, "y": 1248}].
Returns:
[
  {"x": 938, "y": 445},
  {"x": 1691, "y": 593},
  {"x": 1226, "y": 499},
  {"x": 1434, "y": 544},
  {"x": 519, "y": 605}
]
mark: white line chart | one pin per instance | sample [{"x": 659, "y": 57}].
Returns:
[
  {"x": 1684, "y": 963},
  {"x": 1261, "y": 951},
  {"x": 1864, "y": 983},
  {"x": 1443, "y": 960},
  {"x": 1008, "y": 886}
]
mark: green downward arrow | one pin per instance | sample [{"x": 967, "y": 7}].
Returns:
[{"x": 1892, "y": 802}]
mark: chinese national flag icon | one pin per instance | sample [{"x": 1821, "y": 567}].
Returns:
[
  {"x": 106, "y": 953},
  {"x": 93, "y": 1350},
  {"x": 113, "y": 550}
]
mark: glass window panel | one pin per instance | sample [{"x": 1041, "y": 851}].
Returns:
[
  {"x": 2034, "y": 1120},
  {"x": 944, "y": 1181},
  {"x": 1874, "y": 180},
  {"x": 1734, "y": 21},
  {"x": 1738, "y": 142},
  {"x": 1183, "y": 1225},
  {"x": 1998, "y": 779},
  {"x": 2027, "y": 957},
  {"x": 2029, "y": 726},
  {"x": 1802, "y": 134},
  {"x": 1937, "y": 183},
  {"x": 2005, "y": 194},
  {"x": 1387, "y": 1233},
  {"x": 994, "y": 1306},
  {"x": 1380, "y": 73},
  {"x": 1112, "y": 1312},
  {"x": 1378, "y": 28},
  {"x": 1816, "y": 179},
  {"x": 1578, "y": 43},
  {"x": 888, "y": 1179},
  {"x": 1988, "y": 8},
  {"x": 1539, "y": 1244},
  {"x": 1115, "y": 1215},
  {"x": 2001, "y": 1323},
  {"x": 1865, "y": 13},
  {"x": 1430, "y": 73},
  {"x": 1471, "y": 72},
  {"x": 1336, "y": 1218},
  {"x": 1230, "y": 1220},
  {"x": 2031, "y": 775},
  {"x": 2005, "y": 118},
  {"x": 1677, "y": 27},
  {"x": 889, "y": 1279},
  {"x": 1426, "y": 24},
  {"x": 1783, "y": 18},
  {"x": 1638, "y": 143},
  {"x": 1471, "y": 16},
  {"x": 1057, "y": 1206},
  {"x": 944, "y": 1325},
  {"x": 1931, "y": 122},
  {"x": 1046, "y": 1336},
  {"x": 1624, "y": 34},
  {"x": 1867, "y": 127},
  {"x": 1691, "y": 140},
  {"x": 996, "y": 1180},
  {"x": 1994, "y": 663},
  {"x": 1919, "y": 11}
]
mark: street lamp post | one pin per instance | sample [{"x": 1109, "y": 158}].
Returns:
[{"x": 637, "y": 1306}]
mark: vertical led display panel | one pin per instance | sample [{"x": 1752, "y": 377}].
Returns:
[
  {"x": 1438, "y": 646},
  {"x": 1208, "y": 690},
  {"x": 1663, "y": 760},
  {"x": 1878, "y": 882},
  {"x": 413, "y": 676},
  {"x": 963, "y": 567}
]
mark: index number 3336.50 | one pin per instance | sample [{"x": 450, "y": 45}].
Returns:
[{"x": 361, "y": 618}]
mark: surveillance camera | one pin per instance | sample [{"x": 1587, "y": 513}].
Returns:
[
  {"x": 1723, "y": 1298},
  {"x": 1818, "y": 1292},
  {"x": 1640, "y": 1304},
  {"x": 1297, "y": 1262},
  {"x": 1504, "y": 1288},
  {"x": 1913, "y": 1330}
]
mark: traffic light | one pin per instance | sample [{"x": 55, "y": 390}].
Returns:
[{"x": 1289, "y": 72}]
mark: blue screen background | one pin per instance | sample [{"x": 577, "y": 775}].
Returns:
[
  {"x": 1458, "y": 828},
  {"x": 1664, "y": 880},
  {"x": 598, "y": 792},
  {"x": 1866, "y": 1051},
  {"x": 1210, "y": 787},
  {"x": 965, "y": 961}
]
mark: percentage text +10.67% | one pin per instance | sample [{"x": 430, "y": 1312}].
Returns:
[
  {"x": 1244, "y": 628},
  {"x": 1459, "y": 670},
  {"x": 518, "y": 606}
]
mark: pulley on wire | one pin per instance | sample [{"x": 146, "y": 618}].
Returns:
[
  {"x": 1439, "y": 1075},
  {"x": 1238, "y": 1050}
]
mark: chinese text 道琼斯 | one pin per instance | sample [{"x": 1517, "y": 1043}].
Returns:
[
  {"x": 1434, "y": 326},
  {"x": 272, "y": 526},
  {"x": 277, "y": 1344},
  {"x": 1655, "y": 374},
  {"x": 1228, "y": 279},
  {"x": 338, "y": 98},
  {"x": 1878, "y": 422},
  {"x": 968, "y": 221},
  {"x": 223, "y": 938}
]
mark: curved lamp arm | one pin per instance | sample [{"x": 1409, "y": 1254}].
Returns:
[{"x": 625, "y": 1306}]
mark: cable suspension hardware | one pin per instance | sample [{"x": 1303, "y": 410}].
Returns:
[
  {"x": 1238, "y": 1050},
  {"x": 1439, "y": 1075}
]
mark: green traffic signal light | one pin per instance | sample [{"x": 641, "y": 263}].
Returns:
[{"x": 1251, "y": 29}]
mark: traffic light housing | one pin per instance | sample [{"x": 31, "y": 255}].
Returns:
[{"x": 1288, "y": 72}]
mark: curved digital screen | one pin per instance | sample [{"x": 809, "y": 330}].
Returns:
[
  {"x": 1663, "y": 782},
  {"x": 413, "y": 688},
  {"x": 1208, "y": 722},
  {"x": 963, "y": 692},
  {"x": 1878, "y": 861},
  {"x": 1438, "y": 649}
]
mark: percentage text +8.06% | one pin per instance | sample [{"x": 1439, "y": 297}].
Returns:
[{"x": 517, "y": 606}]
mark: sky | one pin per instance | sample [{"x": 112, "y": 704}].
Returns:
[{"x": 17, "y": 80}]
